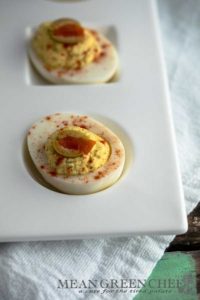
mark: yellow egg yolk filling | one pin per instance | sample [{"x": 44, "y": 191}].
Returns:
[
  {"x": 73, "y": 150},
  {"x": 60, "y": 55}
]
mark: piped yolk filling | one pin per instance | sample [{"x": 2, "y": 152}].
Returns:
[
  {"x": 67, "y": 46},
  {"x": 73, "y": 150}
]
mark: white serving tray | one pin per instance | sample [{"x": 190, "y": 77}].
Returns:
[{"x": 149, "y": 197}]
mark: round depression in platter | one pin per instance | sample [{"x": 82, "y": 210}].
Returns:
[{"x": 76, "y": 154}]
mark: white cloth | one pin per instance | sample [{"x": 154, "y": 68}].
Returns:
[{"x": 31, "y": 270}]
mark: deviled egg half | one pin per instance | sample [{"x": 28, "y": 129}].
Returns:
[
  {"x": 75, "y": 153},
  {"x": 63, "y": 51}
]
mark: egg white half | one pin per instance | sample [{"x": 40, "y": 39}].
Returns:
[
  {"x": 99, "y": 71},
  {"x": 92, "y": 182}
]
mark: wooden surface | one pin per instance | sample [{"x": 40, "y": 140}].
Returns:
[
  {"x": 191, "y": 240},
  {"x": 181, "y": 261},
  {"x": 196, "y": 256}
]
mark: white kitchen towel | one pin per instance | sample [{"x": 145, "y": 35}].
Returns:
[{"x": 30, "y": 271}]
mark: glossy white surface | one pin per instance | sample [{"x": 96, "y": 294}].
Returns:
[{"x": 148, "y": 198}]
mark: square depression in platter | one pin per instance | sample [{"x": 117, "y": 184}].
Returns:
[
  {"x": 32, "y": 77},
  {"x": 148, "y": 198}
]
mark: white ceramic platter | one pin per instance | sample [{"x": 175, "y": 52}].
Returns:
[{"x": 148, "y": 198}]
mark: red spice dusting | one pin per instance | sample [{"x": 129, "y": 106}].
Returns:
[
  {"x": 59, "y": 160},
  {"x": 78, "y": 65},
  {"x": 78, "y": 144},
  {"x": 65, "y": 123},
  {"x": 48, "y": 68},
  {"x": 69, "y": 30},
  {"x": 99, "y": 57},
  {"x": 66, "y": 45},
  {"x": 103, "y": 141},
  {"x": 102, "y": 54},
  {"x": 61, "y": 73},
  {"x": 94, "y": 32},
  {"x": 80, "y": 119},
  {"x": 104, "y": 46},
  {"x": 98, "y": 38},
  {"x": 117, "y": 152},
  {"x": 85, "y": 52},
  {"x": 48, "y": 118},
  {"x": 100, "y": 175},
  {"x": 49, "y": 46},
  {"x": 53, "y": 173},
  {"x": 83, "y": 126},
  {"x": 80, "y": 125},
  {"x": 69, "y": 171}
]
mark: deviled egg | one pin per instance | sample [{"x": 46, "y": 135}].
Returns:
[
  {"x": 63, "y": 51},
  {"x": 75, "y": 153}
]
